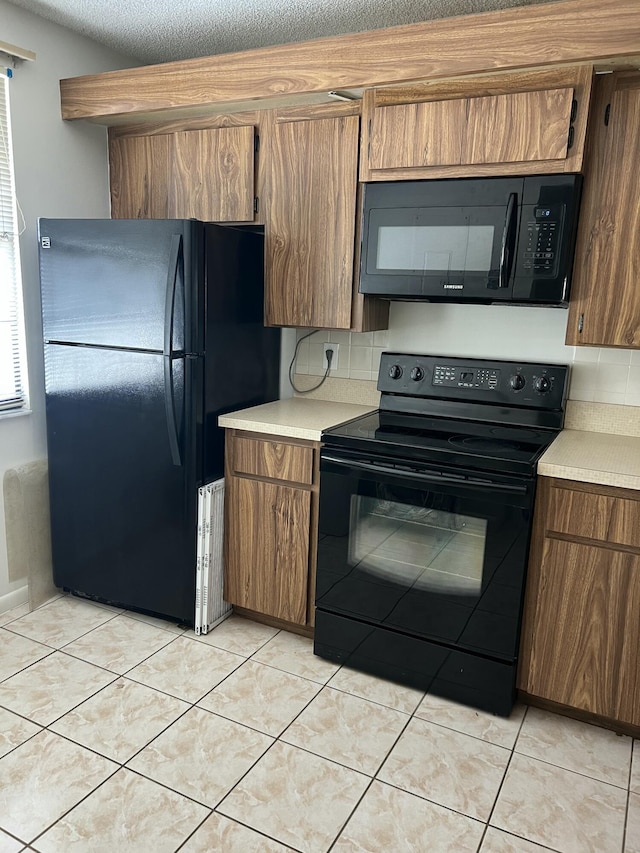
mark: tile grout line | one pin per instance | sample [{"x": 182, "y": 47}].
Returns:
[
  {"x": 321, "y": 686},
  {"x": 121, "y": 765},
  {"x": 81, "y": 800},
  {"x": 506, "y": 769},
  {"x": 373, "y": 779},
  {"x": 570, "y": 770}
]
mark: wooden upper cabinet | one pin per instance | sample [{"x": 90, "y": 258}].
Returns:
[
  {"x": 520, "y": 127},
  {"x": 514, "y": 124},
  {"x": 605, "y": 295},
  {"x": 212, "y": 175},
  {"x": 204, "y": 174},
  {"x": 310, "y": 222},
  {"x": 139, "y": 169},
  {"x": 414, "y": 135}
]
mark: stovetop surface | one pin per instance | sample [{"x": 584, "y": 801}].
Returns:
[
  {"x": 448, "y": 441},
  {"x": 479, "y": 414}
]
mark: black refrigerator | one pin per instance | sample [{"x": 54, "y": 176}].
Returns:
[{"x": 152, "y": 328}]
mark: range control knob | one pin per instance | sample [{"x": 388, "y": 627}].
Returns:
[
  {"x": 417, "y": 373},
  {"x": 395, "y": 371},
  {"x": 542, "y": 384},
  {"x": 517, "y": 381}
]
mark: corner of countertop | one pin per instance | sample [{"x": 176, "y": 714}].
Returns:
[{"x": 294, "y": 417}]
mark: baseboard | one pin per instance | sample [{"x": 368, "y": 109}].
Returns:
[{"x": 14, "y": 599}]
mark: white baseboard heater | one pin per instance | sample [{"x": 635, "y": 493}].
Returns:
[{"x": 210, "y": 606}]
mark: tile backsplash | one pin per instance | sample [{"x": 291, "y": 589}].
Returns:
[
  {"x": 606, "y": 376},
  {"x": 358, "y": 355},
  {"x": 597, "y": 375}
]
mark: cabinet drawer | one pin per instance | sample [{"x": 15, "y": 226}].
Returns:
[
  {"x": 273, "y": 459},
  {"x": 595, "y": 516}
]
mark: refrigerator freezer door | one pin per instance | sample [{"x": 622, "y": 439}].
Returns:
[
  {"x": 123, "y": 499},
  {"x": 116, "y": 282}
]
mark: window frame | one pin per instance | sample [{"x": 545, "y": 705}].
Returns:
[{"x": 14, "y": 396}]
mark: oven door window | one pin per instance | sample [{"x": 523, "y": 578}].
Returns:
[
  {"x": 446, "y": 563},
  {"x": 438, "y": 550}
]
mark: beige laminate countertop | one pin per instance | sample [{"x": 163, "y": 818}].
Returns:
[
  {"x": 295, "y": 417},
  {"x": 593, "y": 457}
]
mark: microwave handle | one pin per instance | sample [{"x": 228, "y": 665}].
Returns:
[{"x": 506, "y": 251}]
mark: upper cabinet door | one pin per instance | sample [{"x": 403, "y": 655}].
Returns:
[
  {"x": 605, "y": 303},
  {"x": 426, "y": 134},
  {"x": 524, "y": 126},
  {"x": 310, "y": 223},
  {"x": 192, "y": 174},
  {"x": 525, "y": 123},
  {"x": 212, "y": 175},
  {"x": 139, "y": 174}
]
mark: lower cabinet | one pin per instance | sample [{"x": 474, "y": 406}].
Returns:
[
  {"x": 581, "y": 635},
  {"x": 271, "y": 487}
]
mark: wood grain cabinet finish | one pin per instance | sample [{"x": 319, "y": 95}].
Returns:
[
  {"x": 271, "y": 501},
  {"x": 605, "y": 296},
  {"x": 139, "y": 168},
  {"x": 412, "y": 135},
  {"x": 268, "y": 554},
  {"x": 475, "y": 129},
  {"x": 310, "y": 228},
  {"x": 520, "y": 127},
  {"x": 212, "y": 176},
  {"x": 205, "y": 174},
  {"x": 311, "y": 212},
  {"x": 581, "y": 635},
  {"x": 502, "y": 129},
  {"x": 274, "y": 459}
]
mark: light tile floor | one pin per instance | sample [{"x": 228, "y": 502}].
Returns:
[{"x": 124, "y": 733}]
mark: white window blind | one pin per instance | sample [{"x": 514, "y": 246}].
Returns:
[{"x": 12, "y": 393}]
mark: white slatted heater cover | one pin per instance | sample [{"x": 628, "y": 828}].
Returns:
[{"x": 210, "y": 606}]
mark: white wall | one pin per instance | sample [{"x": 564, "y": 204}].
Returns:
[
  {"x": 482, "y": 331},
  {"x": 61, "y": 170}
]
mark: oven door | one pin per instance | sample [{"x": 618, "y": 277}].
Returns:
[{"x": 429, "y": 553}]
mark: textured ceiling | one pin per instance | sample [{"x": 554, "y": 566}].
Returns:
[{"x": 162, "y": 30}]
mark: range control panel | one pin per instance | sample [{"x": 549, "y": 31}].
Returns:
[
  {"x": 455, "y": 377},
  {"x": 526, "y": 384}
]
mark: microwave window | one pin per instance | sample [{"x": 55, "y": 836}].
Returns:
[{"x": 434, "y": 248}]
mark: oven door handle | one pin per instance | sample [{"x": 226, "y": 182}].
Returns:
[{"x": 426, "y": 477}]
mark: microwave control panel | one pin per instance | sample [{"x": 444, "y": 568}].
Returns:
[{"x": 543, "y": 226}]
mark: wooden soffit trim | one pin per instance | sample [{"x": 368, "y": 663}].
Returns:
[{"x": 570, "y": 31}]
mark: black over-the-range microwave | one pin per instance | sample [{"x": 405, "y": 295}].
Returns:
[{"x": 471, "y": 239}]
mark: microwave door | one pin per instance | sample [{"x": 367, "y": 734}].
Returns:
[{"x": 455, "y": 253}]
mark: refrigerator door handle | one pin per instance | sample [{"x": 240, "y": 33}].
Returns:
[
  {"x": 170, "y": 407},
  {"x": 169, "y": 313},
  {"x": 175, "y": 255}
]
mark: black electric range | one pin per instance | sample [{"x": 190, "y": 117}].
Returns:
[{"x": 425, "y": 520}]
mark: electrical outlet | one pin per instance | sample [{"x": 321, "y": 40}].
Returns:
[{"x": 334, "y": 360}]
